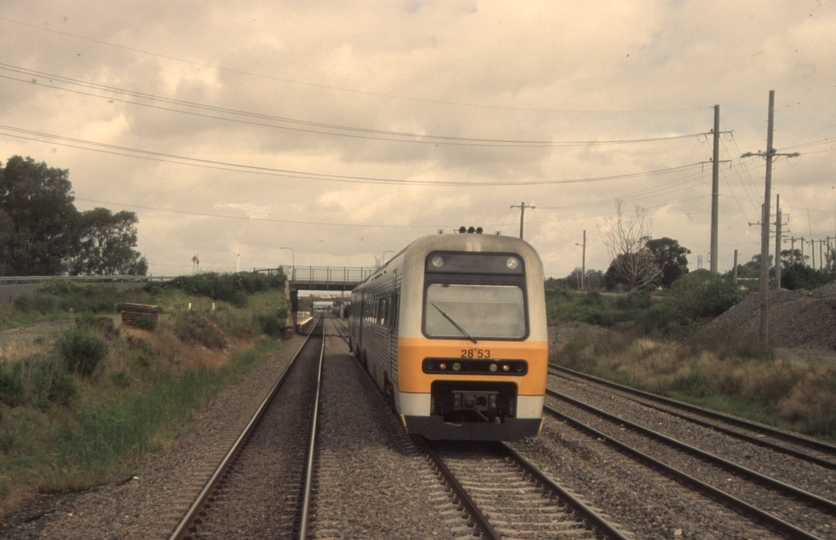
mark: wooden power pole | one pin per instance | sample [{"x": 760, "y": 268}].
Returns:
[
  {"x": 769, "y": 154},
  {"x": 715, "y": 190},
  {"x": 522, "y": 208}
]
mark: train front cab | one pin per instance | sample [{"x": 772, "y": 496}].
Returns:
[{"x": 473, "y": 365}]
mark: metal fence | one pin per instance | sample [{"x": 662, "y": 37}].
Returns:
[{"x": 11, "y": 280}]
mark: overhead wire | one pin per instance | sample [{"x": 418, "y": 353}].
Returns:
[
  {"x": 288, "y": 173},
  {"x": 337, "y": 130},
  {"x": 337, "y": 88}
]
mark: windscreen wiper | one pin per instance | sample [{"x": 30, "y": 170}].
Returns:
[{"x": 462, "y": 330}]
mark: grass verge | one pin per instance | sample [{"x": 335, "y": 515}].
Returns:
[
  {"x": 721, "y": 374},
  {"x": 84, "y": 401}
]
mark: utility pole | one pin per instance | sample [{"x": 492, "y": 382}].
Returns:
[
  {"x": 583, "y": 259},
  {"x": 715, "y": 190},
  {"x": 735, "y": 268},
  {"x": 778, "y": 262},
  {"x": 522, "y": 208},
  {"x": 802, "y": 251},
  {"x": 769, "y": 154},
  {"x": 813, "y": 252}
]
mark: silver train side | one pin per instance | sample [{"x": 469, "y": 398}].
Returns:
[{"x": 453, "y": 332}]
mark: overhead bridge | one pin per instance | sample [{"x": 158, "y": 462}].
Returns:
[{"x": 324, "y": 278}]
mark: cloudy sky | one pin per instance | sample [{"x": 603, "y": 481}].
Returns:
[{"x": 344, "y": 130}]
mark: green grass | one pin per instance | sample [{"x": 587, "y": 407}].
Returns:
[
  {"x": 83, "y": 404},
  {"x": 109, "y": 434}
]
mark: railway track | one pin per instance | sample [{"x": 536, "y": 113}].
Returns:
[
  {"x": 264, "y": 459},
  {"x": 798, "y": 504},
  {"x": 804, "y": 448},
  {"x": 503, "y": 495}
]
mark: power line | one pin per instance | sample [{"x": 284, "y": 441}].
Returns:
[
  {"x": 337, "y": 88},
  {"x": 338, "y": 130},
  {"x": 288, "y": 173}
]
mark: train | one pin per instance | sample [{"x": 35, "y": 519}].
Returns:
[{"x": 453, "y": 332}]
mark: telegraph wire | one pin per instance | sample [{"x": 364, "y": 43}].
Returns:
[
  {"x": 287, "y": 173},
  {"x": 339, "y": 130},
  {"x": 342, "y": 89}
]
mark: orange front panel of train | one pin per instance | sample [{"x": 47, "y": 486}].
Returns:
[{"x": 413, "y": 351}]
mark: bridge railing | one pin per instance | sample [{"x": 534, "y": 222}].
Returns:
[
  {"x": 330, "y": 274},
  {"x": 325, "y": 274}
]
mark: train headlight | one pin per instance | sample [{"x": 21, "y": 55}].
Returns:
[
  {"x": 492, "y": 367},
  {"x": 456, "y": 366},
  {"x": 505, "y": 367},
  {"x": 442, "y": 366},
  {"x": 512, "y": 263},
  {"x": 437, "y": 261}
]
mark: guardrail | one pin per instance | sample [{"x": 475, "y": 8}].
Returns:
[{"x": 7, "y": 280}]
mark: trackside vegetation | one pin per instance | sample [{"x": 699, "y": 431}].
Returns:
[
  {"x": 656, "y": 342},
  {"x": 83, "y": 400}
]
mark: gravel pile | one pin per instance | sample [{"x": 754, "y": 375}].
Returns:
[{"x": 797, "y": 319}]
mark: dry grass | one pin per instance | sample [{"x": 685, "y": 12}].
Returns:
[{"x": 791, "y": 392}]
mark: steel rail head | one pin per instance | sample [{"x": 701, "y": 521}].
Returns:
[{"x": 306, "y": 495}]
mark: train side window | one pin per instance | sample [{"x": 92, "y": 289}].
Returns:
[{"x": 396, "y": 300}]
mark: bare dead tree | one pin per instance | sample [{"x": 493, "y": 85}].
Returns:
[{"x": 625, "y": 238}]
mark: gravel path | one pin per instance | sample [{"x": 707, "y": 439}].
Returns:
[{"x": 371, "y": 479}]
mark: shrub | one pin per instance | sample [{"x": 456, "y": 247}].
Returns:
[
  {"x": 147, "y": 322},
  {"x": 270, "y": 324},
  {"x": 702, "y": 294},
  {"x": 197, "y": 328},
  {"x": 41, "y": 303},
  {"x": 81, "y": 351},
  {"x": 53, "y": 385},
  {"x": 232, "y": 288},
  {"x": 36, "y": 379},
  {"x": 634, "y": 300},
  {"x": 801, "y": 276},
  {"x": 11, "y": 386}
]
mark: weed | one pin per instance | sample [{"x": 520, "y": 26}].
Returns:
[
  {"x": 147, "y": 322},
  {"x": 195, "y": 327},
  {"x": 81, "y": 350}
]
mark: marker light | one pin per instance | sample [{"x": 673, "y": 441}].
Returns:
[
  {"x": 492, "y": 367},
  {"x": 456, "y": 366},
  {"x": 442, "y": 366},
  {"x": 505, "y": 367},
  {"x": 437, "y": 261},
  {"x": 512, "y": 263}
]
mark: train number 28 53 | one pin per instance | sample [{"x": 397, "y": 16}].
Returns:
[{"x": 476, "y": 353}]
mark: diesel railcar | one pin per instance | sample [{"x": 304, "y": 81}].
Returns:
[{"x": 453, "y": 331}]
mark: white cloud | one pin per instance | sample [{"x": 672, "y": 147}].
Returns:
[{"x": 539, "y": 71}]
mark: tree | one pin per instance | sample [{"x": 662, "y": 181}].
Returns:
[
  {"x": 670, "y": 257},
  {"x": 35, "y": 234},
  {"x": 801, "y": 276},
  {"x": 790, "y": 257},
  {"x": 632, "y": 263},
  {"x": 104, "y": 245}
]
